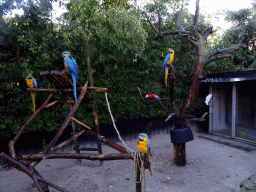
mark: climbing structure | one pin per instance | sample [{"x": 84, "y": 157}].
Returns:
[{"x": 61, "y": 80}]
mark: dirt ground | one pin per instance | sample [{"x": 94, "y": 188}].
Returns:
[{"x": 211, "y": 167}]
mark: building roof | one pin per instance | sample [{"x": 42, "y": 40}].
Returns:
[{"x": 231, "y": 76}]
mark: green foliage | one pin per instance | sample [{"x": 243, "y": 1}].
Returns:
[
  {"x": 123, "y": 53},
  {"x": 243, "y": 59},
  {"x": 31, "y": 45}
]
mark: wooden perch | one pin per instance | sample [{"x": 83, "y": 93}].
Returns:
[
  {"x": 97, "y": 89},
  {"x": 89, "y": 156},
  {"x": 12, "y": 142},
  {"x": 199, "y": 119},
  {"x": 32, "y": 174},
  {"x": 81, "y": 123},
  {"x": 50, "y": 104},
  {"x": 71, "y": 113}
]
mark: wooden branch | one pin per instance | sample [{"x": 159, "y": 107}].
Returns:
[
  {"x": 50, "y": 104},
  {"x": 89, "y": 156},
  {"x": 81, "y": 123},
  {"x": 177, "y": 21},
  {"x": 173, "y": 32},
  {"x": 170, "y": 116},
  {"x": 208, "y": 32},
  {"x": 97, "y": 89},
  {"x": 159, "y": 19},
  {"x": 149, "y": 103},
  {"x": 196, "y": 16},
  {"x": 107, "y": 141},
  {"x": 32, "y": 174},
  {"x": 225, "y": 50},
  {"x": 64, "y": 143},
  {"x": 198, "y": 119},
  {"x": 12, "y": 142},
  {"x": 153, "y": 27},
  {"x": 217, "y": 58},
  {"x": 71, "y": 113}
]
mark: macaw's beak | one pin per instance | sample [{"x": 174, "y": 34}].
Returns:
[
  {"x": 140, "y": 138},
  {"x": 64, "y": 55},
  {"x": 146, "y": 96}
]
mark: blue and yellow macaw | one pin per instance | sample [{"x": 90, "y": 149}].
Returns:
[
  {"x": 31, "y": 82},
  {"x": 144, "y": 146},
  {"x": 168, "y": 60},
  {"x": 70, "y": 63}
]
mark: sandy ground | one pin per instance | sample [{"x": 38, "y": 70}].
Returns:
[{"x": 211, "y": 167}]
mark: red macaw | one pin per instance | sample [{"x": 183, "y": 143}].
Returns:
[{"x": 155, "y": 97}]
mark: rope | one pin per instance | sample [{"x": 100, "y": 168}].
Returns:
[
  {"x": 119, "y": 136},
  {"x": 136, "y": 156}
]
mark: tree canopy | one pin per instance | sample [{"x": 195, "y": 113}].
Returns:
[{"x": 124, "y": 55}]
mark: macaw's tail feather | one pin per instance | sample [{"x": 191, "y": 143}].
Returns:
[
  {"x": 74, "y": 86},
  {"x": 147, "y": 165},
  {"x": 166, "y": 75},
  {"x": 163, "y": 106},
  {"x": 33, "y": 95}
]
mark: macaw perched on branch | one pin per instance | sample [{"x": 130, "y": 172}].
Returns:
[
  {"x": 70, "y": 63},
  {"x": 31, "y": 82},
  {"x": 144, "y": 146},
  {"x": 168, "y": 60},
  {"x": 155, "y": 97}
]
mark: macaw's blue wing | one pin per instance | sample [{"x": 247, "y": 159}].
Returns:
[
  {"x": 72, "y": 65},
  {"x": 157, "y": 98},
  {"x": 167, "y": 58},
  {"x": 35, "y": 84}
]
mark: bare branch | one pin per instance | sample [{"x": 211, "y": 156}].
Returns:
[
  {"x": 217, "y": 58},
  {"x": 208, "y": 32},
  {"x": 89, "y": 156},
  {"x": 239, "y": 35},
  {"x": 153, "y": 27},
  {"x": 173, "y": 32},
  {"x": 225, "y": 50},
  {"x": 196, "y": 16},
  {"x": 159, "y": 20},
  {"x": 177, "y": 20},
  {"x": 198, "y": 119},
  {"x": 32, "y": 174}
]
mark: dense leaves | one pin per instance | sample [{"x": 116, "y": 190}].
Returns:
[{"x": 123, "y": 52}]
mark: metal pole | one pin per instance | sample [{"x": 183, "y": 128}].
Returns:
[
  {"x": 234, "y": 93},
  {"x": 210, "y": 109}
]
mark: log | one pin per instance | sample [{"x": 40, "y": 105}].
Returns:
[
  {"x": 89, "y": 156},
  {"x": 97, "y": 89}
]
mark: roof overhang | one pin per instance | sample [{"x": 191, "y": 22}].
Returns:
[{"x": 231, "y": 76}]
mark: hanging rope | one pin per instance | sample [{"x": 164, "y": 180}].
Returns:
[{"x": 136, "y": 156}]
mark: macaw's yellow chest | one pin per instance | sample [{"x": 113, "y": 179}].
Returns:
[
  {"x": 65, "y": 64},
  {"x": 171, "y": 57},
  {"x": 142, "y": 145},
  {"x": 30, "y": 83}
]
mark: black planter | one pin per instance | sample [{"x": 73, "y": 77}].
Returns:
[{"x": 181, "y": 135}]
